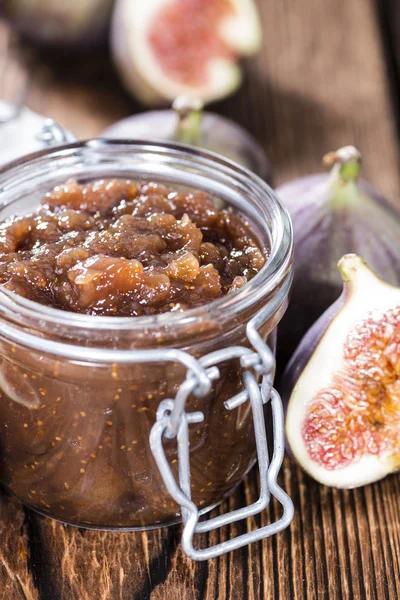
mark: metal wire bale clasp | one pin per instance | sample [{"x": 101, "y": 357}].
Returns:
[
  {"x": 53, "y": 134},
  {"x": 173, "y": 421}
]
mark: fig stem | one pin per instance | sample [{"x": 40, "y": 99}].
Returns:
[
  {"x": 346, "y": 163},
  {"x": 190, "y": 112},
  {"x": 349, "y": 265},
  {"x": 356, "y": 275}
]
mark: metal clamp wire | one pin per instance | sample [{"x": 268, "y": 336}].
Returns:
[
  {"x": 267, "y": 364},
  {"x": 247, "y": 358},
  {"x": 173, "y": 489},
  {"x": 268, "y": 476},
  {"x": 263, "y": 460},
  {"x": 185, "y": 389},
  {"x": 277, "y": 459},
  {"x": 52, "y": 133},
  {"x": 191, "y": 384},
  {"x": 275, "y": 489}
]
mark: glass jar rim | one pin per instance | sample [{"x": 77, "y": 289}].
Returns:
[{"x": 275, "y": 270}]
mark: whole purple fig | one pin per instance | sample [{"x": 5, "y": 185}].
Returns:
[
  {"x": 187, "y": 123},
  {"x": 333, "y": 214}
]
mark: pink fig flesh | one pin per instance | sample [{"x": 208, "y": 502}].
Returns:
[
  {"x": 359, "y": 413},
  {"x": 343, "y": 414},
  {"x": 167, "y": 48},
  {"x": 185, "y": 37}
]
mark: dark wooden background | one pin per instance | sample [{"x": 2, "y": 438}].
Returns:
[{"x": 327, "y": 76}]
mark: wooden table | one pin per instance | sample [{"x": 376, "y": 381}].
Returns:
[{"x": 320, "y": 82}]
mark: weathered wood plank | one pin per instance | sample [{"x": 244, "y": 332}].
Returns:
[{"x": 16, "y": 580}]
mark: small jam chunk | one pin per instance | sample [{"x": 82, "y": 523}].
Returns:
[{"x": 118, "y": 247}]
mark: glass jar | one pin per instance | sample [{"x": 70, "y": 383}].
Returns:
[{"x": 80, "y": 394}]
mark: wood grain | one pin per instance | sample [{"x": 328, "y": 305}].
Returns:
[
  {"x": 16, "y": 580},
  {"x": 320, "y": 82}
]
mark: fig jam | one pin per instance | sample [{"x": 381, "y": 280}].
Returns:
[
  {"x": 116, "y": 247},
  {"x": 74, "y": 435}
]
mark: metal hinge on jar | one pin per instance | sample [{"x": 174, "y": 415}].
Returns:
[
  {"x": 22, "y": 131},
  {"x": 173, "y": 420}
]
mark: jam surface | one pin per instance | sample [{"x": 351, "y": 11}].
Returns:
[{"x": 118, "y": 247}]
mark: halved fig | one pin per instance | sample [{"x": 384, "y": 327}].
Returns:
[
  {"x": 164, "y": 48},
  {"x": 187, "y": 123},
  {"x": 343, "y": 384}
]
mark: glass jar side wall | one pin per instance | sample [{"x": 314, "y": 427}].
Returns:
[{"x": 74, "y": 439}]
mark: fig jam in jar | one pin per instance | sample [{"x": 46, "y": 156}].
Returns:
[{"x": 85, "y": 366}]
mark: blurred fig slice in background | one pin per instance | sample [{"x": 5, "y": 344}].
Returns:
[
  {"x": 167, "y": 48},
  {"x": 188, "y": 124},
  {"x": 79, "y": 23},
  {"x": 333, "y": 214},
  {"x": 342, "y": 386}
]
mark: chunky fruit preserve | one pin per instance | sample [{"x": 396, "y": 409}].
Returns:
[
  {"x": 117, "y": 247},
  {"x": 74, "y": 435}
]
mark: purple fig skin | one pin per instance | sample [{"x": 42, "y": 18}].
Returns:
[
  {"x": 307, "y": 347},
  {"x": 318, "y": 246},
  {"x": 217, "y": 134}
]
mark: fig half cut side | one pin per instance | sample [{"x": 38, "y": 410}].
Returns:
[
  {"x": 342, "y": 385},
  {"x": 167, "y": 48}
]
